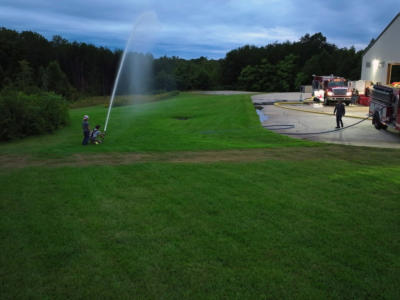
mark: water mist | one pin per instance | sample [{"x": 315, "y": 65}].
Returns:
[{"x": 134, "y": 70}]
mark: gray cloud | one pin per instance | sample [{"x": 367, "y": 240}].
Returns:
[{"x": 202, "y": 28}]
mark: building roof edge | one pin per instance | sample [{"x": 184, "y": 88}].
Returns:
[{"x": 386, "y": 28}]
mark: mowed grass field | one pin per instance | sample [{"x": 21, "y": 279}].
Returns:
[
  {"x": 300, "y": 221},
  {"x": 186, "y": 122}
]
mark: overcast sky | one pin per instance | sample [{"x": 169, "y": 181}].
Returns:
[{"x": 194, "y": 28}]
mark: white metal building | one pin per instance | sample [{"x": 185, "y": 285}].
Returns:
[{"x": 381, "y": 60}]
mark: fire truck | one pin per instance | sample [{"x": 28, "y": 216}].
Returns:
[
  {"x": 330, "y": 89},
  {"x": 385, "y": 106}
]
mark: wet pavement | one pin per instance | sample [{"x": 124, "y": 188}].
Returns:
[
  {"x": 351, "y": 110},
  {"x": 279, "y": 97},
  {"x": 286, "y": 121}
]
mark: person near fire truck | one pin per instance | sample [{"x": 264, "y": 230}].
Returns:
[
  {"x": 340, "y": 111},
  {"x": 355, "y": 96}
]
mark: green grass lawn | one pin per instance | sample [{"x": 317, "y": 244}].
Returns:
[
  {"x": 213, "y": 123},
  {"x": 288, "y": 228}
]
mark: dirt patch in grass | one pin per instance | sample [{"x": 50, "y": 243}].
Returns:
[{"x": 360, "y": 155}]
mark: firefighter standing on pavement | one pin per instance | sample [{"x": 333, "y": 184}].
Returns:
[{"x": 340, "y": 112}]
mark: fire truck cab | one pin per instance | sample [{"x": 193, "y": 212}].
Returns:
[
  {"x": 330, "y": 89},
  {"x": 385, "y": 106}
]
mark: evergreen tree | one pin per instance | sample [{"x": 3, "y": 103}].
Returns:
[
  {"x": 57, "y": 81},
  {"x": 285, "y": 71},
  {"x": 25, "y": 75},
  {"x": 43, "y": 79}
]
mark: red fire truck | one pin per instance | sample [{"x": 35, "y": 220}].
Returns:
[
  {"x": 385, "y": 106},
  {"x": 330, "y": 89}
]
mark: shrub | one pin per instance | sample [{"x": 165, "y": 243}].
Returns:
[{"x": 25, "y": 115}]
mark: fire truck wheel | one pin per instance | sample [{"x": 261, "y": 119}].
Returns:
[
  {"x": 376, "y": 120},
  {"x": 347, "y": 103}
]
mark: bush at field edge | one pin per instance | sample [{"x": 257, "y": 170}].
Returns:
[{"x": 25, "y": 115}]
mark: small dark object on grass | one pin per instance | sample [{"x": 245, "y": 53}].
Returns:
[{"x": 181, "y": 118}]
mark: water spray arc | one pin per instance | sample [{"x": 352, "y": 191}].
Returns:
[
  {"x": 142, "y": 33},
  {"x": 121, "y": 64},
  {"x": 115, "y": 88}
]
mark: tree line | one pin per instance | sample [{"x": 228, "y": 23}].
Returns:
[
  {"x": 28, "y": 61},
  {"x": 37, "y": 75}
]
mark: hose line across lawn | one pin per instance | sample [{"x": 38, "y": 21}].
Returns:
[{"x": 291, "y": 126}]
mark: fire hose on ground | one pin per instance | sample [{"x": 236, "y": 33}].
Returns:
[{"x": 291, "y": 126}]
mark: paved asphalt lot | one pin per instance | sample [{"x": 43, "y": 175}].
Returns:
[{"x": 362, "y": 134}]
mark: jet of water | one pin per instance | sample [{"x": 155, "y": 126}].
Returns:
[{"x": 140, "y": 40}]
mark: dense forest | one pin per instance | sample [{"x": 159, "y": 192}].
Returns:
[{"x": 30, "y": 62}]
